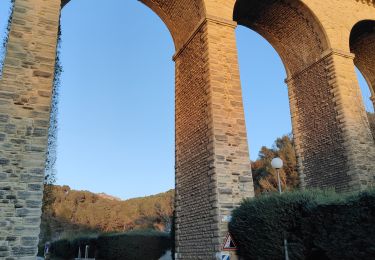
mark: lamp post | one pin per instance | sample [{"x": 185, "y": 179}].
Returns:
[{"x": 277, "y": 164}]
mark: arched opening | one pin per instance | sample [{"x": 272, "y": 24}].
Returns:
[
  {"x": 292, "y": 29},
  {"x": 289, "y": 26},
  {"x": 116, "y": 115},
  {"x": 362, "y": 44},
  {"x": 267, "y": 111}
]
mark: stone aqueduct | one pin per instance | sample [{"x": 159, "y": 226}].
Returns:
[{"x": 320, "y": 42}]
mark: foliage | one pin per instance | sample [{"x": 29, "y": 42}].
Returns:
[
  {"x": 265, "y": 177},
  {"x": 51, "y": 155},
  {"x": 82, "y": 212},
  {"x": 63, "y": 248},
  {"x": 371, "y": 119},
  {"x": 173, "y": 235},
  {"x": 318, "y": 225},
  {"x": 50, "y": 172},
  {"x": 134, "y": 245},
  {"x": 147, "y": 245}
]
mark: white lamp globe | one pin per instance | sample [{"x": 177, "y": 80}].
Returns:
[{"x": 277, "y": 163}]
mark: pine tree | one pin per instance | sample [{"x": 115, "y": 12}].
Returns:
[{"x": 265, "y": 177}]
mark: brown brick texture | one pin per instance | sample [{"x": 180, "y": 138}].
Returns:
[
  {"x": 362, "y": 45},
  {"x": 25, "y": 97}
]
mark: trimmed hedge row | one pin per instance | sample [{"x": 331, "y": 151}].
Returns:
[
  {"x": 318, "y": 225},
  {"x": 137, "y": 245}
]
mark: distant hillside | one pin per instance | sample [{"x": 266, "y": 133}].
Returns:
[
  {"x": 77, "y": 212},
  {"x": 106, "y": 196}
]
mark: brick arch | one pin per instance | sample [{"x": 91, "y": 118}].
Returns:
[
  {"x": 181, "y": 17},
  {"x": 290, "y": 27},
  {"x": 362, "y": 45},
  {"x": 302, "y": 43}
]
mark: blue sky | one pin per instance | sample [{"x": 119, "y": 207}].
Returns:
[{"x": 116, "y": 119}]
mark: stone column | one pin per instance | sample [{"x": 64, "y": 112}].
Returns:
[
  {"x": 213, "y": 172},
  {"x": 333, "y": 140},
  {"x": 25, "y": 95},
  {"x": 351, "y": 113}
]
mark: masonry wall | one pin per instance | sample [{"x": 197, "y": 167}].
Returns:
[
  {"x": 232, "y": 163},
  {"x": 25, "y": 93},
  {"x": 321, "y": 156},
  {"x": 194, "y": 186},
  {"x": 332, "y": 134},
  {"x": 181, "y": 17},
  {"x": 351, "y": 114},
  {"x": 213, "y": 170}
]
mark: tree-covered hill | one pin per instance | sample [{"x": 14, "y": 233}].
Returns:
[{"x": 72, "y": 213}]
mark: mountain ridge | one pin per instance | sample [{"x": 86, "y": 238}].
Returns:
[{"x": 73, "y": 212}]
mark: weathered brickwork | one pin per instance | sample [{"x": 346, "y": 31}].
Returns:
[
  {"x": 288, "y": 27},
  {"x": 321, "y": 156},
  {"x": 331, "y": 151},
  {"x": 334, "y": 144},
  {"x": 362, "y": 44},
  {"x": 212, "y": 163},
  {"x": 351, "y": 114},
  {"x": 181, "y": 16},
  {"x": 232, "y": 168},
  {"x": 25, "y": 92},
  {"x": 194, "y": 186}
]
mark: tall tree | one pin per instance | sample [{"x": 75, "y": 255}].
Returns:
[{"x": 265, "y": 177}]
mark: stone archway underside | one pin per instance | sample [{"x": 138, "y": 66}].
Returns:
[
  {"x": 362, "y": 44},
  {"x": 213, "y": 172}
]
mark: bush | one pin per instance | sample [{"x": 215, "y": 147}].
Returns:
[
  {"x": 139, "y": 245},
  {"x": 343, "y": 229},
  {"x": 318, "y": 225},
  {"x": 63, "y": 249},
  {"x": 133, "y": 245},
  {"x": 81, "y": 243}
]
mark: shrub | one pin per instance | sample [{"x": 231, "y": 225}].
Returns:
[
  {"x": 81, "y": 243},
  {"x": 318, "y": 225},
  {"x": 62, "y": 249},
  {"x": 133, "y": 245},
  {"x": 137, "y": 245},
  {"x": 342, "y": 229}
]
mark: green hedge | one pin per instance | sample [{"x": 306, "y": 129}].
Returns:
[
  {"x": 137, "y": 245},
  {"x": 318, "y": 225}
]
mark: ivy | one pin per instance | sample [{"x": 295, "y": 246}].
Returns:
[
  {"x": 5, "y": 40},
  {"x": 51, "y": 154},
  {"x": 51, "y": 157}
]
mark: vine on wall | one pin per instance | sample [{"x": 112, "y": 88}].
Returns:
[
  {"x": 51, "y": 154},
  {"x": 5, "y": 40},
  {"x": 50, "y": 175}
]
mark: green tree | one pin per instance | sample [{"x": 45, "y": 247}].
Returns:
[{"x": 265, "y": 177}]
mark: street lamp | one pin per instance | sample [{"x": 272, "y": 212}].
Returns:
[{"x": 277, "y": 164}]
